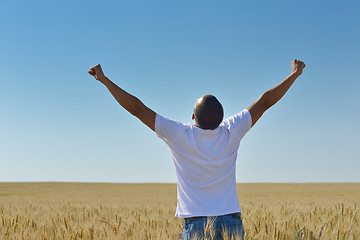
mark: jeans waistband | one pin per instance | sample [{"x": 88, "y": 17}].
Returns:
[{"x": 191, "y": 219}]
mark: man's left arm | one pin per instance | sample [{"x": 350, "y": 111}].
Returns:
[
  {"x": 273, "y": 95},
  {"x": 131, "y": 103}
]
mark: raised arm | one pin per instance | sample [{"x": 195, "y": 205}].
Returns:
[
  {"x": 132, "y": 104},
  {"x": 273, "y": 95}
]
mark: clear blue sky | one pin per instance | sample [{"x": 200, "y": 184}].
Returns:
[{"x": 59, "y": 124}]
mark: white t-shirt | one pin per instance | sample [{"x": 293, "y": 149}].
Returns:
[{"x": 205, "y": 164}]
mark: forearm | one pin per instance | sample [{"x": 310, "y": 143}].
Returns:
[
  {"x": 274, "y": 94},
  {"x": 126, "y": 100}
]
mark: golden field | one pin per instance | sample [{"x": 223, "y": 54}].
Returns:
[{"x": 146, "y": 211}]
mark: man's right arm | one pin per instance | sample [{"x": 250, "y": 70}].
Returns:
[
  {"x": 131, "y": 103},
  {"x": 273, "y": 95}
]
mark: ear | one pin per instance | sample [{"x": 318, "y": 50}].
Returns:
[{"x": 193, "y": 117}]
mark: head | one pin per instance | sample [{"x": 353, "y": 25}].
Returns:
[{"x": 208, "y": 112}]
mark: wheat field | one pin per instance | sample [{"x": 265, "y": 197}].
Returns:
[{"x": 146, "y": 211}]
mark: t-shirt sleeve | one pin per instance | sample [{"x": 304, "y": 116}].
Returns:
[
  {"x": 239, "y": 124},
  {"x": 167, "y": 129}
]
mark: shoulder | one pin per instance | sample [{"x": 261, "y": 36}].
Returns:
[
  {"x": 163, "y": 122},
  {"x": 169, "y": 129},
  {"x": 239, "y": 124},
  {"x": 241, "y": 118}
]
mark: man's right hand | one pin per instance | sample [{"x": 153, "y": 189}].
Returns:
[
  {"x": 97, "y": 72},
  {"x": 297, "y": 66}
]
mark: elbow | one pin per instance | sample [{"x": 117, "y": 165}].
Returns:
[
  {"x": 136, "y": 109},
  {"x": 134, "y": 112},
  {"x": 265, "y": 100}
]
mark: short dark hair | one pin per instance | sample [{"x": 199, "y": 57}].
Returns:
[{"x": 208, "y": 112}]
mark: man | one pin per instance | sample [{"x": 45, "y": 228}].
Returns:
[{"x": 204, "y": 154}]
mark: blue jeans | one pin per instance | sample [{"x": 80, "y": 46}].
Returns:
[{"x": 216, "y": 228}]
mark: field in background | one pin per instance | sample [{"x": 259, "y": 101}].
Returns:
[{"x": 146, "y": 211}]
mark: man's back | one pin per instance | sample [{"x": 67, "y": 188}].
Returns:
[{"x": 205, "y": 164}]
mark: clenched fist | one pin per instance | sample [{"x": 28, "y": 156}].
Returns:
[
  {"x": 97, "y": 72},
  {"x": 297, "y": 66}
]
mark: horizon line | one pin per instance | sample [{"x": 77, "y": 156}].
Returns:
[{"x": 172, "y": 182}]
